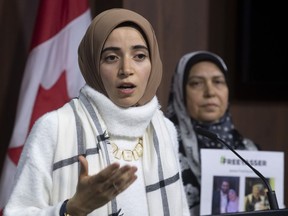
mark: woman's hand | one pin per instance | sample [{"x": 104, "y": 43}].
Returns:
[{"x": 95, "y": 191}]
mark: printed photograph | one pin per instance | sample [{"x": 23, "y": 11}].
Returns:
[
  {"x": 255, "y": 195},
  {"x": 225, "y": 196}
]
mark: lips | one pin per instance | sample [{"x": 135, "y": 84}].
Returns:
[
  {"x": 210, "y": 105},
  {"x": 126, "y": 86}
]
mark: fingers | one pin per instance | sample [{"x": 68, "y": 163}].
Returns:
[
  {"x": 105, "y": 174},
  {"x": 109, "y": 171},
  {"x": 83, "y": 166},
  {"x": 93, "y": 191},
  {"x": 123, "y": 179},
  {"x": 125, "y": 173},
  {"x": 113, "y": 178}
]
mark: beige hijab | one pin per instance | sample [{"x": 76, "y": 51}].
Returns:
[{"x": 90, "y": 48}]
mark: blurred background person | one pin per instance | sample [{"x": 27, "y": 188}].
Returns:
[{"x": 200, "y": 97}]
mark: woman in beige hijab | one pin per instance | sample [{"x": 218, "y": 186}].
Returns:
[{"x": 110, "y": 151}]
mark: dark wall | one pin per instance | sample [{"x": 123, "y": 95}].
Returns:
[{"x": 262, "y": 51}]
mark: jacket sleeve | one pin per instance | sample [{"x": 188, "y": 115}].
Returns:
[{"x": 33, "y": 181}]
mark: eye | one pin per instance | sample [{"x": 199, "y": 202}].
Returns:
[
  {"x": 111, "y": 58},
  {"x": 195, "y": 83},
  {"x": 220, "y": 81},
  {"x": 140, "y": 57}
]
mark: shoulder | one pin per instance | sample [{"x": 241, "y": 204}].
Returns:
[
  {"x": 172, "y": 132},
  {"x": 51, "y": 118},
  {"x": 46, "y": 121},
  {"x": 250, "y": 145},
  {"x": 41, "y": 140},
  {"x": 169, "y": 124},
  {"x": 47, "y": 125}
]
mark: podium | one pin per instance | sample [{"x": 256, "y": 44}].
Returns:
[{"x": 278, "y": 212}]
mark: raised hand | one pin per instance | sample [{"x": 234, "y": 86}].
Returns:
[{"x": 95, "y": 191}]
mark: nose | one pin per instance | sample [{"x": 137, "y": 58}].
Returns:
[
  {"x": 209, "y": 89},
  {"x": 126, "y": 67}
]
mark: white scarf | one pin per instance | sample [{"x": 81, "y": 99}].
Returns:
[
  {"x": 160, "y": 163},
  {"x": 129, "y": 122}
]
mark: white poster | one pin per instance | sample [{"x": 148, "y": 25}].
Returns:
[{"x": 222, "y": 169}]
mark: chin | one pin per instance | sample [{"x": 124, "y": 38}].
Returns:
[
  {"x": 210, "y": 117},
  {"x": 210, "y": 120},
  {"x": 126, "y": 104}
]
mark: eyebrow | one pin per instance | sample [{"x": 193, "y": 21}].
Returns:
[
  {"x": 117, "y": 48},
  {"x": 200, "y": 76}
]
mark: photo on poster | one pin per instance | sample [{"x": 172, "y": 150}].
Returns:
[
  {"x": 255, "y": 194},
  {"x": 225, "y": 195},
  {"x": 217, "y": 165}
]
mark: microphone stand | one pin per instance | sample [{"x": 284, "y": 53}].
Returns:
[{"x": 270, "y": 193}]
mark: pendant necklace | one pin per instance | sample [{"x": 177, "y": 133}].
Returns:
[{"x": 129, "y": 155}]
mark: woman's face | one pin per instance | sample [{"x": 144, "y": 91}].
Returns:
[
  {"x": 125, "y": 66},
  {"x": 232, "y": 195},
  {"x": 206, "y": 92}
]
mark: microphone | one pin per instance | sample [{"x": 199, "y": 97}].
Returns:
[{"x": 270, "y": 193}]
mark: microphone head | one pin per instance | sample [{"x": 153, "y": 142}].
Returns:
[{"x": 206, "y": 133}]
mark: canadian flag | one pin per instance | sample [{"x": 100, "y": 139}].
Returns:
[{"x": 51, "y": 77}]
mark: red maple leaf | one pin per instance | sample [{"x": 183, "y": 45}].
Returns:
[{"x": 46, "y": 101}]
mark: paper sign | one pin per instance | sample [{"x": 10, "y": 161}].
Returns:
[{"x": 223, "y": 169}]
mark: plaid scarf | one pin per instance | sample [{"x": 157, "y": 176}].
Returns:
[{"x": 163, "y": 185}]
